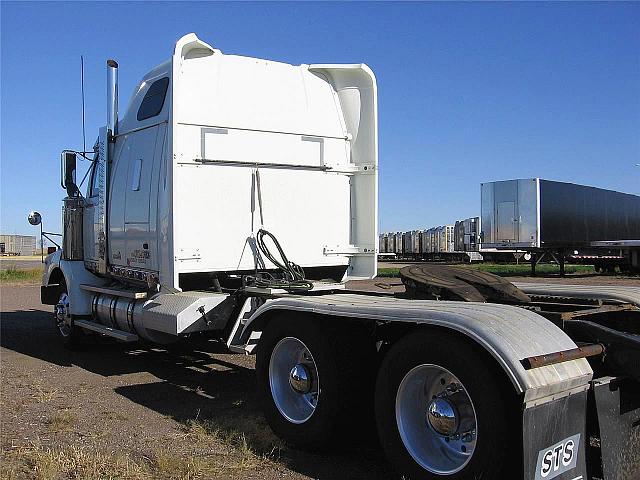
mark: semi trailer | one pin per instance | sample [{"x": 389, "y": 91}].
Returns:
[
  {"x": 232, "y": 201},
  {"x": 549, "y": 218}
]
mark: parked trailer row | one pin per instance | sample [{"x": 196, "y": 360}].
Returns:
[
  {"x": 434, "y": 240},
  {"x": 443, "y": 242}
]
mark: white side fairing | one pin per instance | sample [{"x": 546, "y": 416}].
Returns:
[{"x": 256, "y": 143}]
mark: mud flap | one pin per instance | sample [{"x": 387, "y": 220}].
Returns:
[
  {"x": 618, "y": 406},
  {"x": 50, "y": 294},
  {"x": 554, "y": 436}
]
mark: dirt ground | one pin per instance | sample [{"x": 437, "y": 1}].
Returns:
[
  {"x": 115, "y": 411},
  {"x": 119, "y": 411}
]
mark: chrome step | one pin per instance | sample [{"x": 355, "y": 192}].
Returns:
[
  {"x": 115, "y": 292},
  {"x": 111, "y": 332}
]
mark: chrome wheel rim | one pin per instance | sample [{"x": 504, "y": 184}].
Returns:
[
  {"x": 294, "y": 381},
  {"x": 61, "y": 315},
  {"x": 436, "y": 419}
]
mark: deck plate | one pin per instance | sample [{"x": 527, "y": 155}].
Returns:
[{"x": 446, "y": 282}]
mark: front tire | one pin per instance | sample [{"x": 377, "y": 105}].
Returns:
[
  {"x": 71, "y": 335},
  {"x": 314, "y": 380},
  {"x": 441, "y": 410}
]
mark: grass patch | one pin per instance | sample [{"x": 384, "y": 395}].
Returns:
[
  {"x": 508, "y": 270},
  {"x": 62, "y": 421},
  {"x": 249, "y": 435},
  {"x": 16, "y": 275},
  {"x": 44, "y": 394},
  {"x": 44, "y": 463}
]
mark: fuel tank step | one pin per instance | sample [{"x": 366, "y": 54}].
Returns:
[
  {"x": 115, "y": 292},
  {"x": 111, "y": 332}
]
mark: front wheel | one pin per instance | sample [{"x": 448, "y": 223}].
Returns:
[
  {"x": 70, "y": 334},
  {"x": 441, "y": 410}
]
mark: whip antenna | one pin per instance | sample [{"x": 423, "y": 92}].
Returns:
[{"x": 84, "y": 138}]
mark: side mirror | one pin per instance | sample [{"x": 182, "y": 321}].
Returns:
[
  {"x": 68, "y": 173},
  {"x": 34, "y": 218}
]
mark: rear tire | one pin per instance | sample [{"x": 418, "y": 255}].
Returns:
[
  {"x": 452, "y": 410},
  {"x": 331, "y": 389}
]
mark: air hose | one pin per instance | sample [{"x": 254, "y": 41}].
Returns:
[{"x": 293, "y": 278}]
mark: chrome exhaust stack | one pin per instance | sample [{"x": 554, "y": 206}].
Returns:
[{"x": 112, "y": 99}]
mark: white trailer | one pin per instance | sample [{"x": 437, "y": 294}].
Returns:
[{"x": 223, "y": 163}]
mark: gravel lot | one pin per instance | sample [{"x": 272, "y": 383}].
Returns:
[
  {"x": 127, "y": 412},
  {"x": 114, "y": 410}
]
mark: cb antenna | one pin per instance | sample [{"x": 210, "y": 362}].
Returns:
[{"x": 84, "y": 138}]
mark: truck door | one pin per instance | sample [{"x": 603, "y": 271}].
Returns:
[
  {"x": 140, "y": 239},
  {"x": 506, "y": 227}
]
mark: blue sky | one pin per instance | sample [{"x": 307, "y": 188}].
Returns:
[{"x": 467, "y": 92}]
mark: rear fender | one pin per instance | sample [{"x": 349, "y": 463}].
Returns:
[
  {"x": 509, "y": 334},
  {"x": 554, "y": 397}
]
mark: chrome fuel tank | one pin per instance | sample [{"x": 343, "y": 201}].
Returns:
[{"x": 72, "y": 212}]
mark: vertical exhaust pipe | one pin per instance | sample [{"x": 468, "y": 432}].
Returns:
[{"x": 112, "y": 99}]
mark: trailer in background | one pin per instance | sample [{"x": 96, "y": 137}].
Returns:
[
  {"x": 551, "y": 219},
  {"x": 466, "y": 235},
  {"x": 383, "y": 238},
  {"x": 17, "y": 245}
]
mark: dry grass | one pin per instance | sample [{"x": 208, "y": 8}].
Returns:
[
  {"x": 248, "y": 434},
  {"x": 62, "y": 421},
  {"x": 37, "y": 462},
  {"x": 43, "y": 394},
  {"x": 167, "y": 464},
  {"x": 217, "y": 450},
  {"x": 74, "y": 463},
  {"x": 18, "y": 275}
]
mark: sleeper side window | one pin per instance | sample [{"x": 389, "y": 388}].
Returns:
[{"x": 153, "y": 100}]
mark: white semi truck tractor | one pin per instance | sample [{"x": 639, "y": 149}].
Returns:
[{"x": 232, "y": 200}]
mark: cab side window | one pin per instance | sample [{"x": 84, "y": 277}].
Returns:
[
  {"x": 94, "y": 184},
  {"x": 153, "y": 100}
]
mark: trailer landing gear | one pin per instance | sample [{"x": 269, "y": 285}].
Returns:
[{"x": 559, "y": 256}]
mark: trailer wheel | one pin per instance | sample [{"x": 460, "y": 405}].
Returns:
[
  {"x": 440, "y": 410},
  {"x": 71, "y": 335},
  {"x": 310, "y": 378}
]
